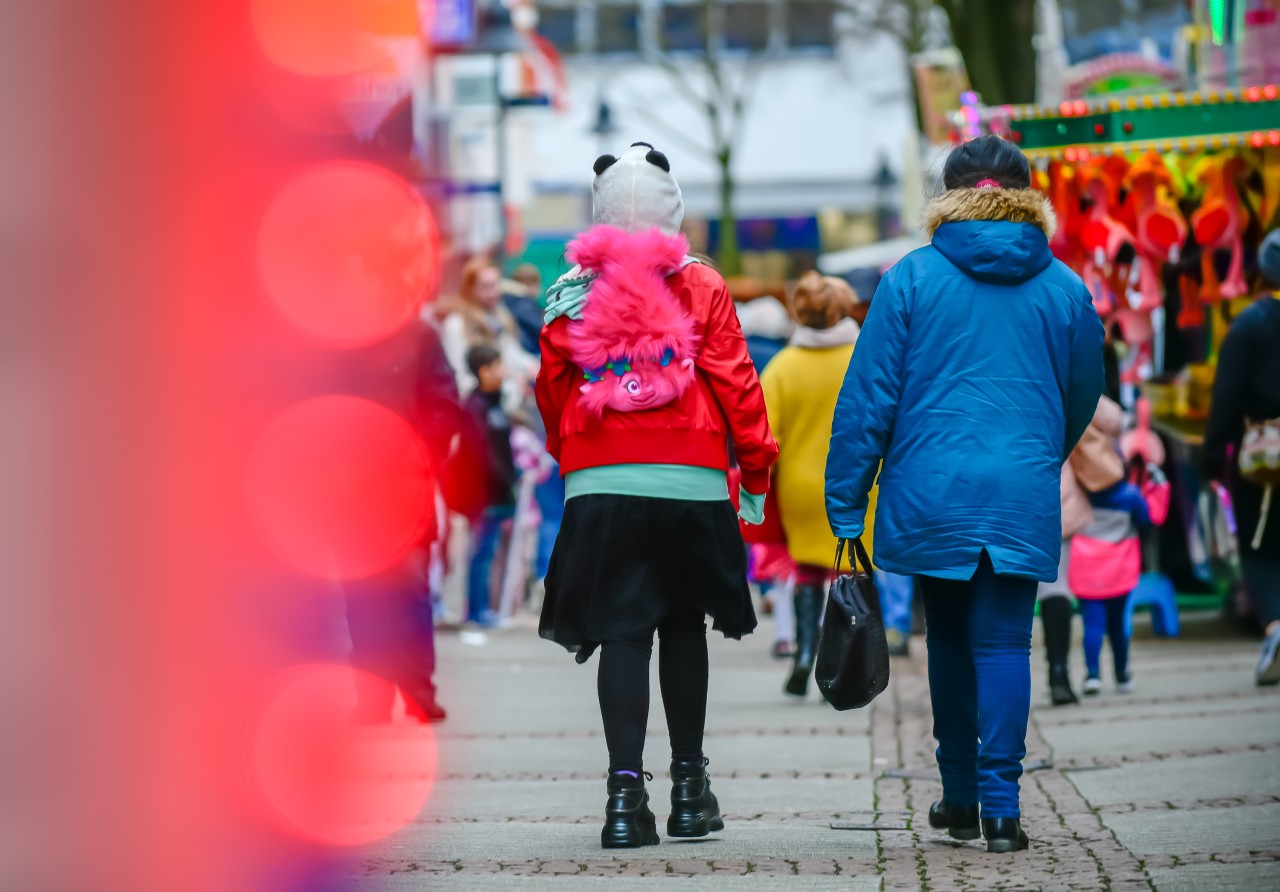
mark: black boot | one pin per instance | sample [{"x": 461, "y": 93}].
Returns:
[
  {"x": 1060, "y": 685},
  {"x": 1055, "y": 617},
  {"x": 694, "y": 809},
  {"x": 960, "y": 821},
  {"x": 628, "y": 822},
  {"x": 808, "y": 601},
  {"x": 1004, "y": 835}
]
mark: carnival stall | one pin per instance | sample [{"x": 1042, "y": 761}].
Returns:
[{"x": 1162, "y": 201}]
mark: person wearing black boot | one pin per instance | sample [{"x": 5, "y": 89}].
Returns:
[
  {"x": 1055, "y": 617},
  {"x": 978, "y": 370},
  {"x": 800, "y": 387},
  {"x": 809, "y": 599},
  {"x": 1092, "y": 466},
  {"x": 645, "y": 380}
]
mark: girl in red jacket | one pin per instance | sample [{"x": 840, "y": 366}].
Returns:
[{"x": 645, "y": 379}]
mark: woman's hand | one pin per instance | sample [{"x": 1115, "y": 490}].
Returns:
[{"x": 751, "y": 507}]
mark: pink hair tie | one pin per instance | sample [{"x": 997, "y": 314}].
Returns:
[{"x": 988, "y": 183}]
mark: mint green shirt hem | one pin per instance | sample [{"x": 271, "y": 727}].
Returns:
[{"x": 684, "y": 482}]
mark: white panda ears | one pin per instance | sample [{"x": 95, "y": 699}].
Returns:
[{"x": 654, "y": 157}]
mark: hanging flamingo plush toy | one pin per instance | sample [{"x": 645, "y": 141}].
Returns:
[{"x": 1218, "y": 225}]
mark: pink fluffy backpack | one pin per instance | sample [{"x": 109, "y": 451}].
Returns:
[{"x": 635, "y": 343}]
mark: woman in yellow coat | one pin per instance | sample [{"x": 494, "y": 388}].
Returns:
[{"x": 801, "y": 384}]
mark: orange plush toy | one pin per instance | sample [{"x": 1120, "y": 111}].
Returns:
[
  {"x": 1159, "y": 226},
  {"x": 1218, "y": 224}
]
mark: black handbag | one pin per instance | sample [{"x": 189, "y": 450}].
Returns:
[{"x": 853, "y": 655}]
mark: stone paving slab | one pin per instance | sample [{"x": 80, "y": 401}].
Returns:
[
  {"x": 584, "y": 799},
  {"x": 415, "y": 882},
  {"x": 1205, "y": 777},
  {"x": 1196, "y": 734},
  {"x": 1163, "y": 735},
  {"x": 1185, "y": 832},
  {"x": 501, "y": 842},
  {"x": 1101, "y": 711},
  {"x": 1218, "y": 877}
]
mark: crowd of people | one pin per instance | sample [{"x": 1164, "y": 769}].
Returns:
[{"x": 606, "y": 435}]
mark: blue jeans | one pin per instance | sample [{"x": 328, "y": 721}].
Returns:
[
  {"x": 485, "y": 536},
  {"x": 979, "y": 640},
  {"x": 1105, "y": 615},
  {"x": 895, "y": 593},
  {"x": 550, "y": 496}
]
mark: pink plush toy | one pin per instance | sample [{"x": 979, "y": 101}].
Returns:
[{"x": 635, "y": 343}]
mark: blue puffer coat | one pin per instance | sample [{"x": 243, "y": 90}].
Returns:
[{"x": 978, "y": 368}]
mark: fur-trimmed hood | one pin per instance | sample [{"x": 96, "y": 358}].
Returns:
[
  {"x": 1013, "y": 205},
  {"x": 999, "y": 236}
]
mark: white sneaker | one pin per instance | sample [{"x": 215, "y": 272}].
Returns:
[
  {"x": 1092, "y": 685},
  {"x": 1268, "y": 671},
  {"x": 1125, "y": 686}
]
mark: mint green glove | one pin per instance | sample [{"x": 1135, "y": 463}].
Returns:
[
  {"x": 567, "y": 298},
  {"x": 751, "y": 507}
]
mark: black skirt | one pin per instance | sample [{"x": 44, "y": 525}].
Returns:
[{"x": 622, "y": 564}]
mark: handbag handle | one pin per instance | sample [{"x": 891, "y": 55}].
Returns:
[{"x": 857, "y": 554}]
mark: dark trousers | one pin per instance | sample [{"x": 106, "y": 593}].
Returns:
[
  {"x": 623, "y": 688},
  {"x": 979, "y": 639},
  {"x": 1262, "y": 578},
  {"x": 392, "y": 639}
]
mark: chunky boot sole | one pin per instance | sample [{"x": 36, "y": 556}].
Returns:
[
  {"x": 693, "y": 824},
  {"x": 629, "y": 833},
  {"x": 1008, "y": 846},
  {"x": 1005, "y": 836},
  {"x": 940, "y": 818}
]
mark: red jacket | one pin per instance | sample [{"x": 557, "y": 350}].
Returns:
[{"x": 724, "y": 401}]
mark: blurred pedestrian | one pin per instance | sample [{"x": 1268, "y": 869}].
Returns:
[
  {"x": 801, "y": 384},
  {"x": 390, "y": 614},
  {"x": 475, "y": 317},
  {"x": 1106, "y": 559},
  {"x": 767, "y": 326},
  {"x": 490, "y": 437},
  {"x": 645, "y": 379},
  {"x": 980, "y": 366},
  {"x": 1094, "y": 465},
  {"x": 522, "y": 295},
  {"x": 1246, "y": 391}
]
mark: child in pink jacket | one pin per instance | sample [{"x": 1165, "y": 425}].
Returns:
[{"x": 1106, "y": 563}]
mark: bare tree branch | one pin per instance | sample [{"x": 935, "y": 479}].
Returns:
[{"x": 643, "y": 109}]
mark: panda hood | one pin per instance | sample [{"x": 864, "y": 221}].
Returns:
[{"x": 636, "y": 192}]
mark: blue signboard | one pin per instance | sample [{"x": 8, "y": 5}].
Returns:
[{"x": 453, "y": 22}]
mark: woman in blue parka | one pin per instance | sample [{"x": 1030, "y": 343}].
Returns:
[{"x": 979, "y": 367}]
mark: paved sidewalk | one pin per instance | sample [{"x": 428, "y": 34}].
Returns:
[{"x": 1175, "y": 787}]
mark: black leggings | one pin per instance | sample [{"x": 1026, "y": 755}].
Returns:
[{"x": 623, "y": 686}]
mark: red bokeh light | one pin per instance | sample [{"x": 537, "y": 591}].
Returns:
[
  {"x": 322, "y": 778},
  {"x": 1257, "y": 140},
  {"x": 321, "y": 38},
  {"x": 1253, "y": 94},
  {"x": 341, "y": 487},
  {"x": 1071, "y": 154},
  {"x": 348, "y": 252},
  {"x": 1269, "y": 92},
  {"x": 1080, "y": 107},
  {"x": 1065, "y": 108}
]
